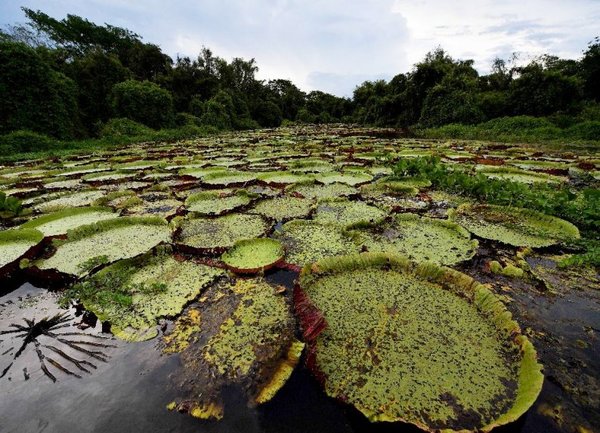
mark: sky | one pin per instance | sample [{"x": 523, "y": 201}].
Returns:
[{"x": 334, "y": 45}]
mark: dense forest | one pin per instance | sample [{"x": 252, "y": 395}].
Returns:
[{"x": 73, "y": 79}]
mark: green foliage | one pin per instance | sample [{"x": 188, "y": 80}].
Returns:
[
  {"x": 144, "y": 102},
  {"x": 123, "y": 127},
  {"x": 33, "y": 95},
  {"x": 521, "y": 129},
  {"x": 589, "y": 254},
  {"x": 67, "y": 77},
  {"x": 95, "y": 74},
  {"x": 25, "y": 141},
  {"x": 582, "y": 210},
  {"x": 9, "y": 206}
]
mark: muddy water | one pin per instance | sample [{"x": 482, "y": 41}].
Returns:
[{"x": 129, "y": 392}]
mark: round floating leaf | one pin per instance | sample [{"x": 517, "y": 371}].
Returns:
[
  {"x": 348, "y": 214},
  {"x": 58, "y": 223},
  {"x": 213, "y": 203},
  {"x": 133, "y": 294},
  {"x": 250, "y": 256},
  {"x": 77, "y": 199},
  {"x": 282, "y": 178},
  {"x": 222, "y": 232},
  {"x": 415, "y": 343},
  {"x": 226, "y": 178},
  {"x": 15, "y": 243},
  {"x": 284, "y": 208},
  {"x": 351, "y": 179},
  {"x": 421, "y": 239},
  {"x": 517, "y": 175},
  {"x": 240, "y": 334},
  {"x": 314, "y": 190},
  {"x": 105, "y": 242},
  {"x": 308, "y": 241},
  {"x": 514, "y": 226}
]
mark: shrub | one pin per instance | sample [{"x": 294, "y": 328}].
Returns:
[
  {"x": 9, "y": 205},
  {"x": 216, "y": 115},
  {"x": 144, "y": 102},
  {"x": 25, "y": 141},
  {"x": 123, "y": 127},
  {"x": 589, "y": 130},
  {"x": 185, "y": 119}
]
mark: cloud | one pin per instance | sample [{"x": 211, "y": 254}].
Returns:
[{"x": 327, "y": 44}]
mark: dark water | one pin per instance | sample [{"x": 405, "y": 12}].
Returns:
[{"x": 131, "y": 391}]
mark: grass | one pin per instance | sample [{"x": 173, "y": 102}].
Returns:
[
  {"x": 91, "y": 145},
  {"x": 522, "y": 129}
]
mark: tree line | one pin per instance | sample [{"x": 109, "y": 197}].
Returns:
[{"x": 71, "y": 78}]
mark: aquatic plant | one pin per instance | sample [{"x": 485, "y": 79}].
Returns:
[
  {"x": 116, "y": 239},
  {"x": 242, "y": 334},
  {"x": 313, "y": 190},
  {"x": 15, "y": 243},
  {"x": 251, "y": 256},
  {"x": 421, "y": 239},
  {"x": 349, "y": 178},
  {"x": 133, "y": 294},
  {"x": 284, "y": 208},
  {"x": 58, "y": 223},
  {"x": 308, "y": 241},
  {"x": 415, "y": 343},
  {"x": 348, "y": 214},
  {"x": 214, "y": 203},
  {"x": 514, "y": 226},
  {"x": 217, "y": 234}
]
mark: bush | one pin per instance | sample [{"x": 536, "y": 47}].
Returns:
[
  {"x": 184, "y": 119},
  {"x": 144, "y": 102},
  {"x": 589, "y": 130},
  {"x": 123, "y": 127},
  {"x": 216, "y": 115},
  {"x": 510, "y": 125},
  {"x": 9, "y": 205},
  {"x": 25, "y": 141}
]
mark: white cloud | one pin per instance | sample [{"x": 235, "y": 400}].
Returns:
[{"x": 333, "y": 45}]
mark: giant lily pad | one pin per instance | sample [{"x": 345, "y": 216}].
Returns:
[
  {"x": 415, "y": 343},
  {"x": 348, "y": 214},
  {"x": 217, "y": 234},
  {"x": 317, "y": 191},
  {"x": 309, "y": 241},
  {"x": 351, "y": 179},
  {"x": 517, "y": 175},
  {"x": 253, "y": 255},
  {"x": 133, "y": 294},
  {"x": 15, "y": 243},
  {"x": 514, "y": 226},
  {"x": 229, "y": 178},
  {"x": 58, "y": 223},
  {"x": 284, "y": 208},
  {"x": 421, "y": 239},
  {"x": 77, "y": 199},
  {"x": 239, "y": 335},
  {"x": 105, "y": 242},
  {"x": 213, "y": 203}
]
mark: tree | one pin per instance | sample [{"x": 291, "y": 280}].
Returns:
[
  {"x": 287, "y": 96},
  {"x": 144, "y": 102},
  {"x": 95, "y": 74},
  {"x": 33, "y": 96},
  {"x": 590, "y": 65},
  {"x": 540, "y": 92}
]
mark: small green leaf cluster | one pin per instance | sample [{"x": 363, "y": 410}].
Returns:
[{"x": 9, "y": 205}]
